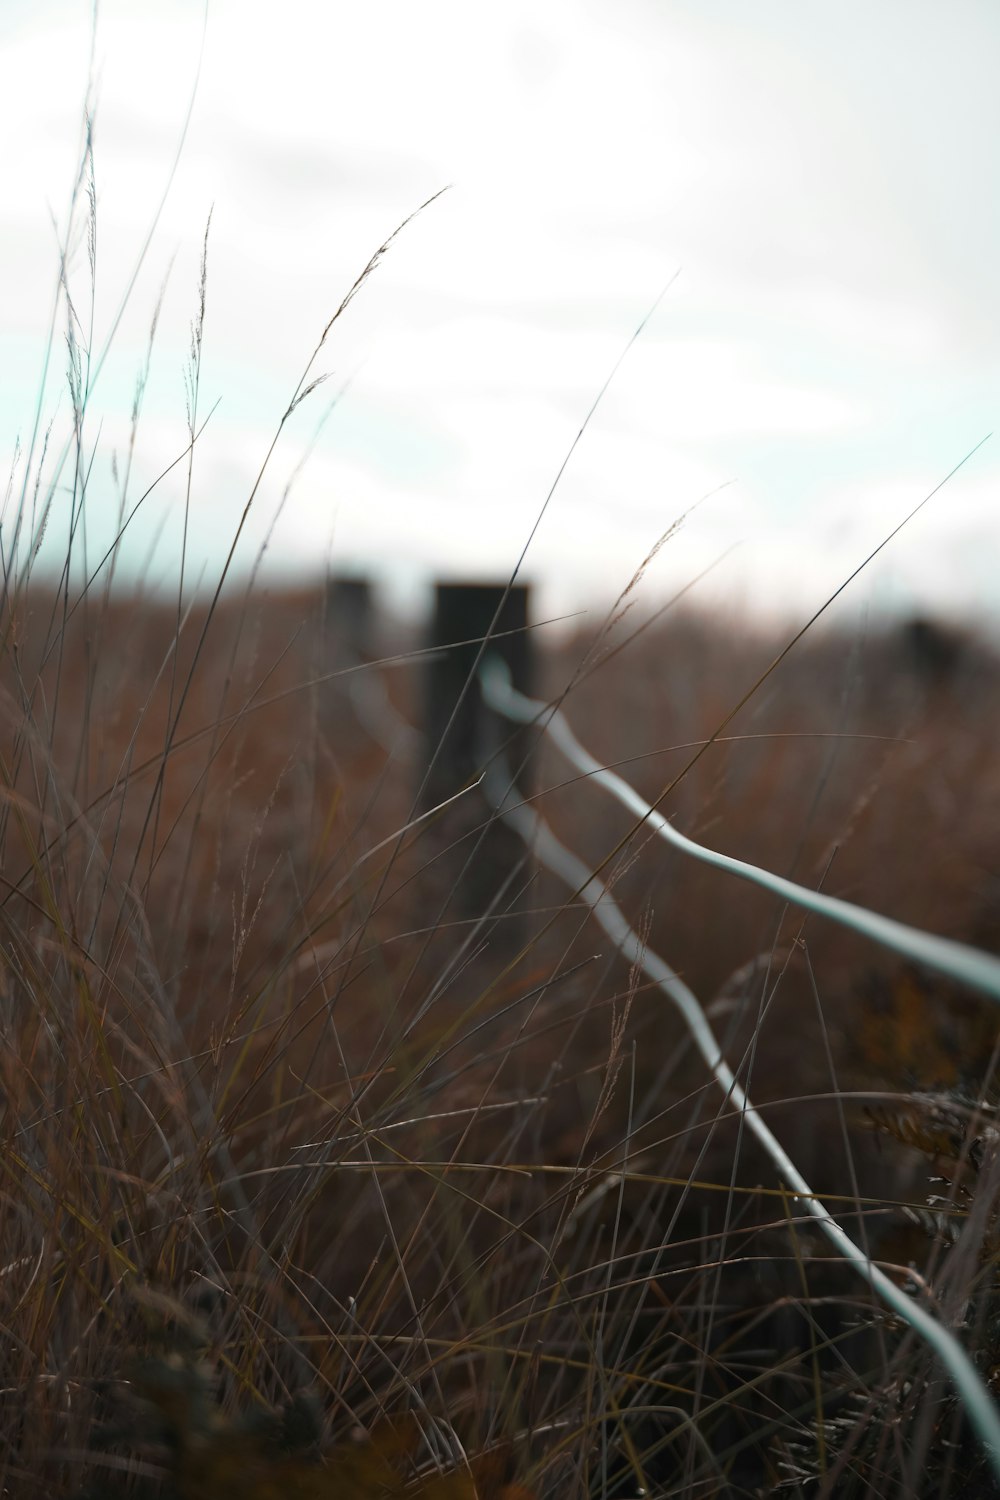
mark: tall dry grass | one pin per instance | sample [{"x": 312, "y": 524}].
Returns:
[{"x": 314, "y": 1184}]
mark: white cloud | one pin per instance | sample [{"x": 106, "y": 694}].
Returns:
[{"x": 831, "y": 337}]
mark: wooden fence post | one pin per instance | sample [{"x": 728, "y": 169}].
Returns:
[
  {"x": 346, "y": 641},
  {"x": 483, "y": 862},
  {"x": 349, "y": 616}
]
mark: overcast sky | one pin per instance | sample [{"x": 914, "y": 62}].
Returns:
[{"x": 821, "y": 179}]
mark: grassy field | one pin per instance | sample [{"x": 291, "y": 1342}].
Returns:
[
  {"x": 300, "y": 1158},
  {"x": 325, "y": 1173}
]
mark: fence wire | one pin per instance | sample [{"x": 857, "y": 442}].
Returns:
[{"x": 967, "y": 964}]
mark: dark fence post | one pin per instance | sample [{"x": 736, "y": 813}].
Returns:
[
  {"x": 347, "y": 641},
  {"x": 482, "y": 861},
  {"x": 349, "y": 619}
]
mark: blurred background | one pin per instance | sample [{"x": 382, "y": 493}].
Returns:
[{"x": 818, "y": 181}]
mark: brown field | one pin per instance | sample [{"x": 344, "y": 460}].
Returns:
[{"x": 286, "y": 1118}]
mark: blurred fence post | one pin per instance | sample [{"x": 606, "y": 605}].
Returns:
[
  {"x": 347, "y": 641},
  {"x": 483, "y": 865},
  {"x": 348, "y": 620}
]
